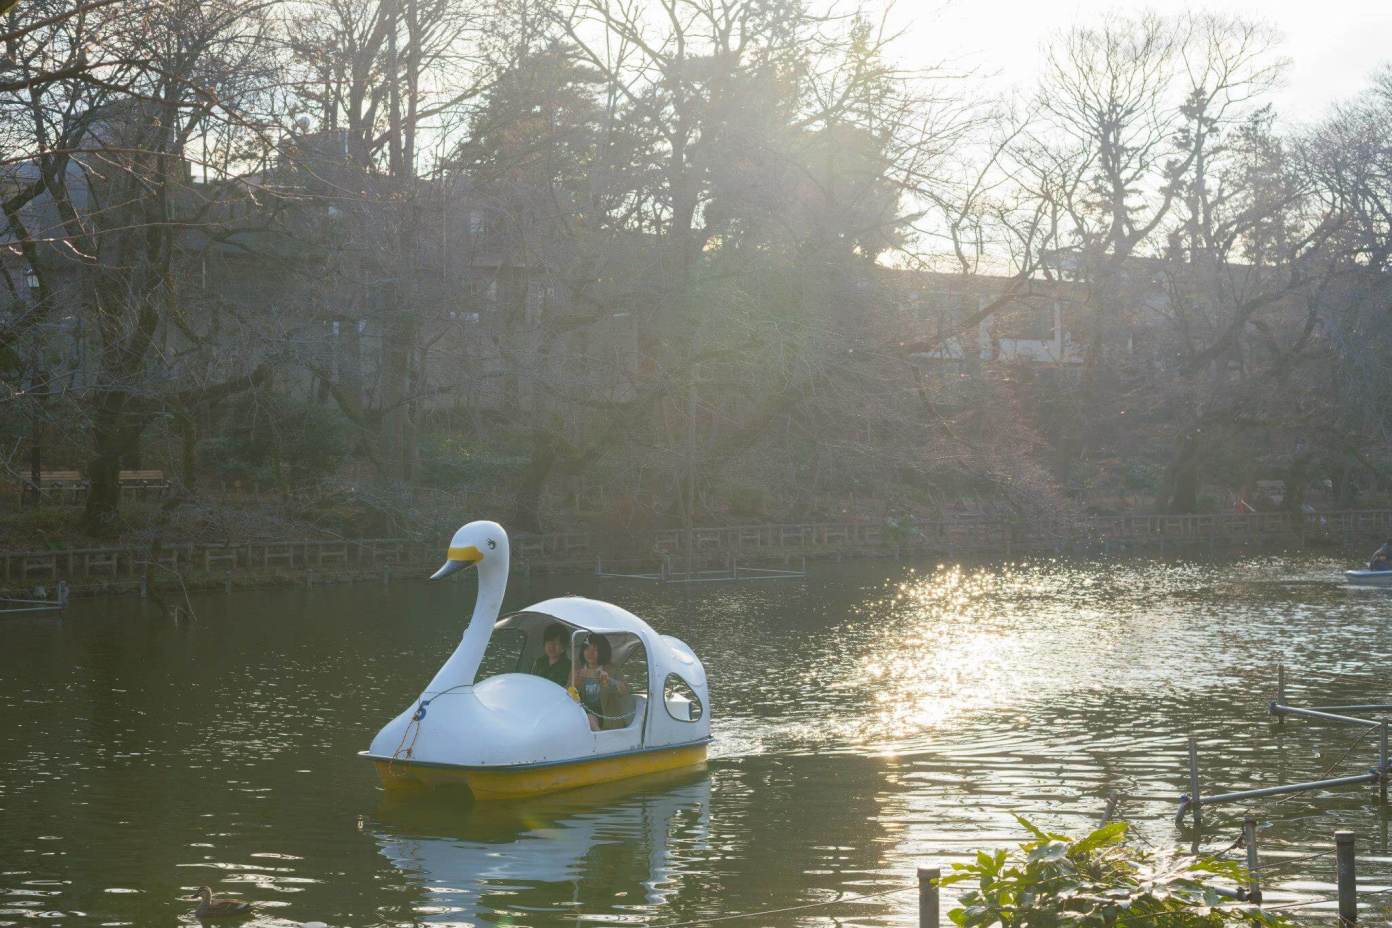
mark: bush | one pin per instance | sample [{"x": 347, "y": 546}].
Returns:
[
  {"x": 305, "y": 441},
  {"x": 750, "y": 502},
  {"x": 1053, "y": 880},
  {"x": 451, "y": 462},
  {"x": 49, "y": 526},
  {"x": 1141, "y": 477}
]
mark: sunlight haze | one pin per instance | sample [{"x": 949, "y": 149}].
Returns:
[{"x": 1333, "y": 48}]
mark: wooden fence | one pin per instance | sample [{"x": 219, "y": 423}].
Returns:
[{"x": 579, "y": 549}]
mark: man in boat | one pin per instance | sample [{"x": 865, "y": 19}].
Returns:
[
  {"x": 1382, "y": 557},
  {"x": 552, "y": 663}
]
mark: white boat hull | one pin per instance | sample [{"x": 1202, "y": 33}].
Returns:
[{"x": 1369, "y": 577}]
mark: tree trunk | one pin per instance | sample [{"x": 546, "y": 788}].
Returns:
[
  {"x": 34, "y": 492},
  {"x": 399, "y": 339},
  {"x": 109, "y": 439},
  {"x": 1182, "y": 483},
  {"x": 188, "y": 448},
  {"x": 526, "y": 514}
]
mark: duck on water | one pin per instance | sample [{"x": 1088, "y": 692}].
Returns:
[
  {"x": 210, "y": 906},
  {"x": 518, "y": 734}
]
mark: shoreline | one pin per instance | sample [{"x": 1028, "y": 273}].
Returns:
[{"x": 160, "y": 568}]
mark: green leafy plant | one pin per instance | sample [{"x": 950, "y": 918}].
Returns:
[
  {"x": 1053, "y": 880},
  {"x": 304, "y": 441},
  {"x": 453, "y": 462}
]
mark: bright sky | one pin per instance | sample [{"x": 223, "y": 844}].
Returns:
[{"x": 1334, "y": 45}]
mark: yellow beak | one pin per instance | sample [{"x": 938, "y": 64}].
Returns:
[{"x": 456, "y": 560}]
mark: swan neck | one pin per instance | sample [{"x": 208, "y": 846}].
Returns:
[
  {"x": 488, "y": 600},
  {"x": 462, "y": 667}
]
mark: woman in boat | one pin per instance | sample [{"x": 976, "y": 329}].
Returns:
[{"x": 593, "y": 679}]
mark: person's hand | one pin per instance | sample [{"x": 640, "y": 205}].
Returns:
[{"x": 604, "y": 677}]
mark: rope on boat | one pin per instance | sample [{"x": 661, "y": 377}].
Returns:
[{"x": 413, "y": 727}]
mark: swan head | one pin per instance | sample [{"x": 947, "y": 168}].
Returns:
[{"x": 477, "y": 543}]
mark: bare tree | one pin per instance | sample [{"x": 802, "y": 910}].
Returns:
[
  {"x": 375, "y": 78},
  {"x": 112, "y": 200}
]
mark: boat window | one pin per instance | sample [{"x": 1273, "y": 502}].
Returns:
[
  {"x": 631, "y": 663},
  {"x": 681, "y": 700},
  {"x": 504, "y": 653},
  {"x": 533, "y": 626}
]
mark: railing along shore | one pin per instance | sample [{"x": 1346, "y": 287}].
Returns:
[{"x": 579, "y": 549}]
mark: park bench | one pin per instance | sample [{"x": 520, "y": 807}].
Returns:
[
  {"x": 57, "y": 483},
  {"x": 143, "y": 480}
]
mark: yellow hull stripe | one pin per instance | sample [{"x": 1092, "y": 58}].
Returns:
[{"x": 519, "y": 783}]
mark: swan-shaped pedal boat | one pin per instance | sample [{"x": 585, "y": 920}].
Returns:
[{"x": 516, "y": 733}]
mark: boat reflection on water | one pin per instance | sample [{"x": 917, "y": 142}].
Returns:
[{"x": 532, "y": 861}]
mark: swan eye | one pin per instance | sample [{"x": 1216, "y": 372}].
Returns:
[{"x": 492, "y": 544}]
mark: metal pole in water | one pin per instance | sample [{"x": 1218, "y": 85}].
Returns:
[
  {"x": 1249, "y": 838},
  {"x": 1194, "y": 781},
  {"x": 1382, "y": 761},
  {"x": 1369, "y": 777},
  {"x": 928, "y": 896},
  {"x": 1280, "y": 699},
  {"x": 1347, "y": 879},
  {"x": 1323, "y": 716}
]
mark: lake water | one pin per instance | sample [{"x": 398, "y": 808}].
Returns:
[{"x": 868, "y": 719}]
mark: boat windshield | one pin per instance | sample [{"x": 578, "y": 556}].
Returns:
[
  {"x": 519, "y": 641},
  {"x": 617, "y": 699},
  {"x": 614, "y": 688},
  {"x": 504, "y": 653}
]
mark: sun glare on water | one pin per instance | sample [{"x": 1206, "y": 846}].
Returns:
[{"x": 960, "y": 640}]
